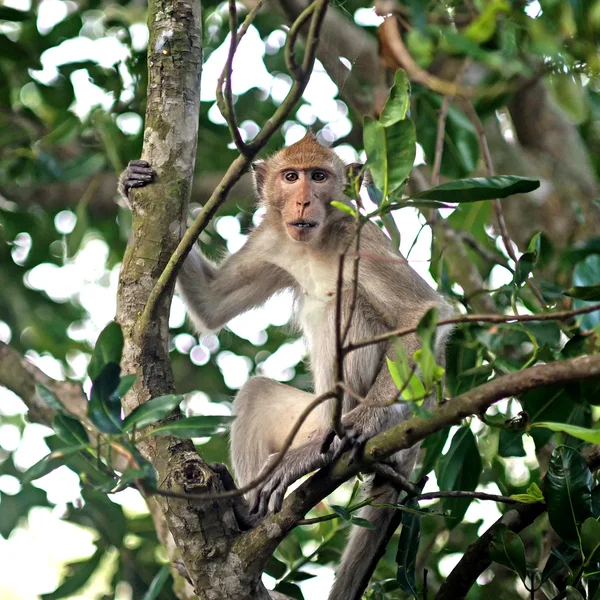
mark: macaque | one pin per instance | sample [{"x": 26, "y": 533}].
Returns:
[{"x": 297, "y": 246}]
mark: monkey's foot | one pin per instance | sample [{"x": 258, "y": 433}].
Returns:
[
  {"x": 137, "y": 174},
  {"x": 295, "y": 464}
]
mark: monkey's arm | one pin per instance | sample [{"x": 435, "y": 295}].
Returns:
[{"x": 216, "y": 294}]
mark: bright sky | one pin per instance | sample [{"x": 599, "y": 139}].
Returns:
[{"x": 46, "y": 539}]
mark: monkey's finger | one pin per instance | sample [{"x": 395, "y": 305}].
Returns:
[
  {"x": 342, "y": 445},
  {"x": 138, "y": 163},
  {"x": 327, "y": 441},
  {"x": 278, "y": 498},
  {"x": 141, "y": 176},
  {"x": 357, "y": 449},
  {"x": 134, "y": 183}
]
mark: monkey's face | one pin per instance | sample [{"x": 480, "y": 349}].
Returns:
[{"x": 303, "y": 198}]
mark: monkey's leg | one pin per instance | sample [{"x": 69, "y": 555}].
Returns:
[{"x": 266, "y": 411}]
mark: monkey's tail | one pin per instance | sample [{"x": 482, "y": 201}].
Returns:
[{"x": 366, "y": 546}]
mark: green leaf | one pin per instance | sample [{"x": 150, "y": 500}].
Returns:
[
  {"x": 581, "y": 433},
  {"x": 402, "y": 373},
  {"x": 50, "y": 398},
  {"x": 590, "y": 540},
  {"x": 480, "y": 188},
  {"x": 397, "y": 105},
  {"x": 343, "y": 207},
  {"x": 560, "y": 558},
  {"x": 586, "y": 274},
  {"x": 78, "y": 575},
  {"x": 525, "y": 265},
  {"x": 390, "y": 153},
  {"x": 108, "y": 349},
  {"x": 567, "y": 490},
  {"x": 203, "y": 426},
  {"x": 408, "y": 547},
  {"x": 341, "y": 511},
  {"x": 152, "y": 411},
  {"x": 459, "y": 469},
  {"x": 433, "y": 446},
  {"x": 104, "y": 408},
  {"x": 50, "y": 462},
  {"x": 507, "y": 549},
  {"x": 510, "y": 443},
  {"x": 360, "y": 522},
  {"x": 125, "y": 384},
  {"x": 460, "y": 154},
  {"x": 589, "y": 293},
  {"x": 573, "y": 594},
  {"x": 69, "y": 430},
  {"x": 157, "y": 584},
  {"x": 425, "y": 356},
  {"x": 533, "y": 495}
]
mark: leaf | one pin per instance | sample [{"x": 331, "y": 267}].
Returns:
[
  {"x": 104, "y": 408},
  {"x": 459, "y": 469},
  {"x": 586, "y": 274},
  {"x": 506, "y": 548},
  {"x": 343, "y": 207},
  {"x": 341, "y": 511},
  {"x": 567, "y": 490},
  {"x": 203, "y": 426},
  {"x": 425, "y": 357},
  {"x": 50, "y": 398},
  {"x": 157, "y": 584},
  {"x": 289, "y": 589},
  {"x": 78, "y": 575},
  {"x": 573, "y": 594},
  {"x": 403, "y": 376},
  {"x": 480, "y": 188},
  {"x": 510, "y": 443},
  {"x": 533, "y": 495},
  {"x": 397, "y": 105},
  {"x": 152, "y": 411},
  {"x": 360, "y": 522},
  {"x": 581, "y": 433},
  {"x": 408, "y": 547},
  {"x": 584, "y": 292},
  {"x": 50, "y": 462},
  {"x": 525, "y": 265},
  {"x": 108, "y": 349},
  {"x": 590, "y": 540},
  {"x": 433, "y": 446},
  {"x": 460, "y": 154},
  {"x": 559, "y": 559},
  {"x": 70, "y": 430},
  {"x": 125, "y": 384},
  {"x": 390, "y": 153}
]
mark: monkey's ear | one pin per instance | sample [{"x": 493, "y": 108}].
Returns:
[{"x": 259, "y": 172}]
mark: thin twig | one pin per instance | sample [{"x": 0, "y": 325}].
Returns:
[
  {"x": 556, "y": 316},
  {"x": 439, "y": 142},
  {"x": 225, "y": 101},
  {"x": 236, "y": 169},
  {"x": 391, "y": 39},
  {"x": 498, "y": 210},
  {"x": 267, "y": 472},
  {"x": 477, "y": 495},
  {"x": 290, "y": 48}
]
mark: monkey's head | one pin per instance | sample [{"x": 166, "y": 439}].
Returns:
[{"x": 298, "y": 184}]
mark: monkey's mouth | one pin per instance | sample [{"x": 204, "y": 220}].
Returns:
[{"x": 301, "y": 224}]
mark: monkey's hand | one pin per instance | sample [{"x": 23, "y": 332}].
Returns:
[
  {"x": 359, "y": 428},
  {"x": 137, "y": 174}
]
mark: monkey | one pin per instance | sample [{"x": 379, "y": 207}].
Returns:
[{"x": 297, "y": 246}]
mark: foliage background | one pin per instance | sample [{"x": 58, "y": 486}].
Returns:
[{"x": 69, "y": 122}]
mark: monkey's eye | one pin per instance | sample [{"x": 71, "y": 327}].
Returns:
[
  {"x": 319, "y": 176},
  {"x": 291, "y": 176}
]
